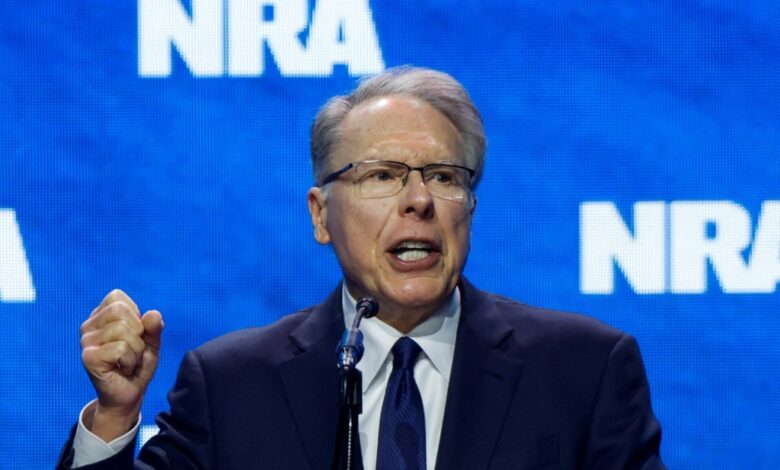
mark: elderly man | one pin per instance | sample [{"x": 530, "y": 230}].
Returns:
[{"x": 453, "y": 377}]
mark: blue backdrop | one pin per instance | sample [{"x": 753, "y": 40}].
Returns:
[{"x": 632, "y": 174}]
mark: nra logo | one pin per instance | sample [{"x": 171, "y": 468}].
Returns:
[
  {"x": 672, "y": 245},
  {"x": 15, "y": 280},
  {"x": 229, "y": 37}
]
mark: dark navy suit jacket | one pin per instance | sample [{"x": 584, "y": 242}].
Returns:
[{"x": 529, "y": 389}]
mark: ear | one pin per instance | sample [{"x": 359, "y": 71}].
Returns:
[{"x": 318, "y": 209}]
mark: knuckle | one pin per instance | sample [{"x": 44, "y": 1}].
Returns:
[
  {"x": 115, "y": 307},
  {"x": 110, "y": 297},
  {"x": 84, "y": 327},
  {"x": 127, "y": 331},
  {"x": 118, "y": 310},
  {"x": 88, "y": 356},
  {"x": 121, "y": 348},
  {"x": 120, "y": 326},
  {"x": 115, "y": 294},
  {"x": 135, "y": 326},
  {"x": 137, "y": 345}
]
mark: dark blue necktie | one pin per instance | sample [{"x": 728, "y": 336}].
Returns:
[{"x": 402, "y": 424}]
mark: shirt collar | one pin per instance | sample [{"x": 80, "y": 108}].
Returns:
[{"x": 435, "y": 335}]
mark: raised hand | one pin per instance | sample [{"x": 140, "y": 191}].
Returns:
[{"x": 120, "y": 351}]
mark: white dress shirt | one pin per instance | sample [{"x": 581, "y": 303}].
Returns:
[
  {"x": 88, "y": 448},
  {"x": 436, "y": 337}
]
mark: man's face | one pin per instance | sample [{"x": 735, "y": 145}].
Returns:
[{"x": 369, "y": 236}]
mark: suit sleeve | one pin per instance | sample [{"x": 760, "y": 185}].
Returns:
[
  {"x": 624, "y": 433},
  {"x": 185, "y": 440}
]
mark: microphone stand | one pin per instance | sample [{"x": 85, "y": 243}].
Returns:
[{"x": 349, "y": 352}]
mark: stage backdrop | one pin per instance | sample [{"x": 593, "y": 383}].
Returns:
[{"x": 160, "y": 146}]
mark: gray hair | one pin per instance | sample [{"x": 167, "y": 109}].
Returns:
[{"x": 438, "y": 89}]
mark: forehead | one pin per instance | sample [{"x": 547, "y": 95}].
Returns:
[{"x": 396, "y": 128}]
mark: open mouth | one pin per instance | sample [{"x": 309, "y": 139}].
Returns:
[{"x": 413, "y": 250}]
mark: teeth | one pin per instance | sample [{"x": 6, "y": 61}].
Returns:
[
  {"x": 412, "y": 255},
  {"x": 414, "y": 245},
  {"x": 413, "y": 250}
]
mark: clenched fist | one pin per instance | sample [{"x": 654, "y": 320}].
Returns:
[{"x": 120, "y": 350}]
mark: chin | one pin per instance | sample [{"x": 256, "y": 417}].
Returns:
[{"x": 420, "y": 292}]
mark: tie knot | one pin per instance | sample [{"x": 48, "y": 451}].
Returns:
[{"x": 405, "y": 352}]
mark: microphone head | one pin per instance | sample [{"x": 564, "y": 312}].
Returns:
[{"x": 368, "y": 306}]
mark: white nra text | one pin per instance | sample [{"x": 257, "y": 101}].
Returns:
[
  {"x": 16, "y": 283},
  {"x": 228, "y": 37},
  {"x": 673, "y": 243}
]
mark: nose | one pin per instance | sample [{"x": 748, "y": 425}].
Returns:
[{"x": 415, "y": 199}]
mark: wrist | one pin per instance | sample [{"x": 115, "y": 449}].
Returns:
[{"x": 108, "y": 423}]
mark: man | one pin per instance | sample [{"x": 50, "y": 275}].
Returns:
[{"x": 454, "y": 378}]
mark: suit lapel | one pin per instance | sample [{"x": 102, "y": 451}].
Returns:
[
  {"x": 482, "y": 384},
  {"x": 311, "y": 380}
]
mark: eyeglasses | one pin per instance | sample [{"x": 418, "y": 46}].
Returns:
[{"x": 384, "y": 178}]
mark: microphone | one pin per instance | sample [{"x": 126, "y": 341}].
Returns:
[
  {"x": 367, "y": 307},
  {"x": 350, "y": 348}
]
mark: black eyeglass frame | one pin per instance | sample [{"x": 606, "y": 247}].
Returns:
[{"x": 332, "y": 177}]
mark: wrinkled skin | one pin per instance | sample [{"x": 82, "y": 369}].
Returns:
[{"x": 364, "y": 232}]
